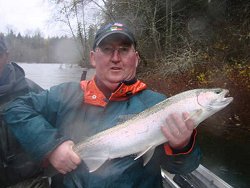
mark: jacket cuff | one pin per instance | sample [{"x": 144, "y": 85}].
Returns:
[{"x": 186, "y": 150}]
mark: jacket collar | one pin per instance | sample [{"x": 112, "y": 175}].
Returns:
[
  {"x": 94, "y": 96},
  {"x": 12, "y": 79}
]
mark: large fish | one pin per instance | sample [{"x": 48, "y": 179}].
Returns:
[{"x": 142, "y": 134}]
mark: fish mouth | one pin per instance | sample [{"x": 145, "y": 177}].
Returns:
[
  {"x": 224, "y": 98},
  {"x": 220, "y": 99}
]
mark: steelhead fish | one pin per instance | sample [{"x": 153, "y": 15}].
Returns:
[{"x": 142, "y": 134}]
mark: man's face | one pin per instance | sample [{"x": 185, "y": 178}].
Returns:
[
  {"x": 115, "y": 61},
  {"x": 3, "y": 60}
]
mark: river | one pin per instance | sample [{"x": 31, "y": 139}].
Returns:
[
  {"x": 47, "y": 75},
  {"x": 226, "y": 156}
]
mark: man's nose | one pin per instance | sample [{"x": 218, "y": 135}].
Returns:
[{"x": 116, "y": 55}]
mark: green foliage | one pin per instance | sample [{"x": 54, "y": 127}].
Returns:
[
  {"x": 202, "y": 79},
  {"x": 239, "y": 73}
]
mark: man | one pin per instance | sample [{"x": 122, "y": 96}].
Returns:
[
  {"x": 57, "y": 119},
  {"x": 16, "y": 167}
]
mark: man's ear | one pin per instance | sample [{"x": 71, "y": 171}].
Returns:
[
  {"x": 137, "y": 62},
  {"x": 138, "y": 59},
  {"x": 92, "y": 59}
]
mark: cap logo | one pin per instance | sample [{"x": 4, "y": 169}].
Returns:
[
  {"x": 116, "y": 27},
  {"x": 118, "y": 24}
]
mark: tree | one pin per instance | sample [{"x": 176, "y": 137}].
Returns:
[{"x": 73, "y": 13}]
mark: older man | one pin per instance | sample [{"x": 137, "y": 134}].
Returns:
[{"x": 57, "y": 119}]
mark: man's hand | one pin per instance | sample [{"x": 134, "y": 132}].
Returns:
[
  {"x": 63, "y": 158},
  {"x": 178, "y": 130}
]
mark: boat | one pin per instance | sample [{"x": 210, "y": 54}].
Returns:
[{"x": 199, "y": 178}]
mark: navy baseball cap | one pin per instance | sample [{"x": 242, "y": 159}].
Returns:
[
  {"x": 3, "y": 47},
  {"x": 113, "y": 28}
]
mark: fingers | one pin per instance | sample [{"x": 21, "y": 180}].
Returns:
[
  {"x": 63, "y": 158},
  {"x": 167, "y": 133},
  {"x": 76, "y": 160},
  {"x": 178, "y": 129},
  {"x": 189, "y": 122},
  {"x": 66, "y": 168},
  {"x": 176, "y": 124}
]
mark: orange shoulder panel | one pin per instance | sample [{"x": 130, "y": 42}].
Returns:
[{"x": 93, "y": 95}]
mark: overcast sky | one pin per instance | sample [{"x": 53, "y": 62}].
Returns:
[{"x": 26, "y": 16}]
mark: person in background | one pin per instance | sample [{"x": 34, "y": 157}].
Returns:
[
  {"x": 84, "y": 74},
  {"x": 17, "y": 169},
  {"x": 53, "y": 121}
]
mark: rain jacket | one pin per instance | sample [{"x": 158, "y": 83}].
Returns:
[
  {"x": 15, "y": 164},
  {"x": 76, "y": 111}
]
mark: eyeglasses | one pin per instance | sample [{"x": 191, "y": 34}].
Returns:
[{"x": 123, "y": 51}]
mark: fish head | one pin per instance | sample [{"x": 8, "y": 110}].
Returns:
[{"x": 213, "y": 99}]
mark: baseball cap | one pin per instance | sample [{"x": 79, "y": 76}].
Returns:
[
  {"x": 113, "y": 28},
  {"x": 3, "y": 47}
]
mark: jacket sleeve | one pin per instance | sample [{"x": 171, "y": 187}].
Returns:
[
  {"x": 33, "y": 87},
  {"x": 32, "y": 119},
  {"x": 182, "y": 161}
]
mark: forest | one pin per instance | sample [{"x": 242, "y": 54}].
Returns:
[{"x": 175, "y": 33}]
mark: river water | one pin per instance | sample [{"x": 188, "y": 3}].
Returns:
[
  {"x": 228, "y": 157},
  {"x": 47, "y": 75}
]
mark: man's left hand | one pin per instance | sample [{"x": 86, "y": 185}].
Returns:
[{"x": 178, "y": 130}]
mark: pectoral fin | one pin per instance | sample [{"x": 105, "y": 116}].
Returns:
[
  {"x": 147, "y": 155},
  {"x": 94, "y": 156},
  {"x": 94, "y": 163}
]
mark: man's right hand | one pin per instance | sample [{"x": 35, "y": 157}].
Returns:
[{"x": 63, "y": 158}]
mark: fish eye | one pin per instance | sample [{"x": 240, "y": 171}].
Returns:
[{"x": 218, "y": 91}]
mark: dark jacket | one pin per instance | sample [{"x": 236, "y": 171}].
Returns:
[
  {"x": 15, "y": 164},
  {"x": 76, "y": 111}
]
